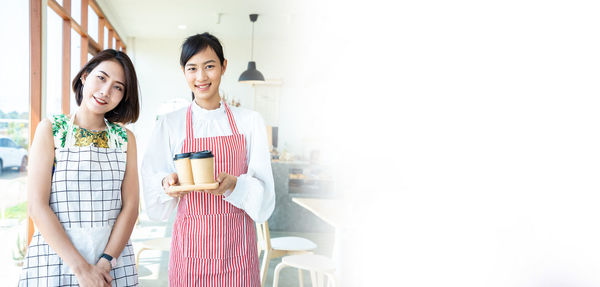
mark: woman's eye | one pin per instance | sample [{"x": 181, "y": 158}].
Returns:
[
  {"x": 191, "y": 69},
  {"x": 210, "y": 67},
  {"x": 101, "y": 78},
  {"x": 119, "y": 88}
]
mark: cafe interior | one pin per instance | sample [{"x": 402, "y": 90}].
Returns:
[
  {"x": 269, "y": 46},
  {"x": 411, "y": 143}
]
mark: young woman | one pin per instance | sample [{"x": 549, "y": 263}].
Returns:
[
  {"x": 214, "y": 237},
  {"x": 83, "y": 183}
]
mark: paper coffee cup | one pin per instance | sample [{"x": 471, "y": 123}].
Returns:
[
  {"x": 184, "y": 168},
  {"x": 203, "y": 167}
]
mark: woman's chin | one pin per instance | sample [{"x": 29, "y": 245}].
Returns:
[
  {"x": 96, "y": 109},
  {"x": 205, "y": 95}
]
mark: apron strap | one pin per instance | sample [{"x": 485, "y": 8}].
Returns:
[
  {"x": 231, "y": 119},
  {"x": 189, "y": 132}
]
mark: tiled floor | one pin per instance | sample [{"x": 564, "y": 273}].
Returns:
[{"x": 154, "y": 264}]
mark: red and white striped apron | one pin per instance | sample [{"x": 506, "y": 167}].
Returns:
[{"x": 214, "y": 242}]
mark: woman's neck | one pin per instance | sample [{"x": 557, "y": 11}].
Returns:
[
  {"x": 209, "y": 104},
  {"x": 89, "y": 121}
]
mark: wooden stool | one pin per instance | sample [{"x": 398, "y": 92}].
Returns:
[
  {"x": 163, "y": 244},
  {"x": 318, "y": 265},
  {"x": 279, "y": 246}
]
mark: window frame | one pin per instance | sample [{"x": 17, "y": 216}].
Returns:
[{"x": 36, "y": 48}]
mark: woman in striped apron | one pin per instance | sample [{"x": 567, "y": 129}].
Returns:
[
  {"x": 214, "y": 237},
  {"x": 83, "y": 183}
]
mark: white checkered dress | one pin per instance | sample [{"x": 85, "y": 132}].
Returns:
[{"x": 86, "y": 195}]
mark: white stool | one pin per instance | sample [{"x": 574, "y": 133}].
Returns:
[
  {"x": 163, "y": 244},
  {"x": 318, "y": 265},
  {"x": 278, "y": 247}
]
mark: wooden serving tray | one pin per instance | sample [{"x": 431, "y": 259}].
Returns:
[{"x": 213, "y": 185}]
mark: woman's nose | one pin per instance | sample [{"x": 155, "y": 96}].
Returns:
[
  {"x": 105, "y": 89},
  {"x": 201, "y": 75}
]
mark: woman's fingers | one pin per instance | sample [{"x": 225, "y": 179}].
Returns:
[
  {"x": 169, "y": 180},
  {"x": 176, "y": 193},
  {"x": 107, "y": 277}
]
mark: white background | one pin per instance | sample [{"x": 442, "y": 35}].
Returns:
[{"x": 471, "y": 143}]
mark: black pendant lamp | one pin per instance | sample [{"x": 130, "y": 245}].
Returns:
[{"x": 252, "y": 75}]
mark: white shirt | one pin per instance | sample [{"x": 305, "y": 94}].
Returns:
[{"x": 254, "y": 192}]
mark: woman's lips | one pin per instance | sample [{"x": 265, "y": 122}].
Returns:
[
  {"x": 99, "y": 101},
  {"x": 203, "y": 87}
]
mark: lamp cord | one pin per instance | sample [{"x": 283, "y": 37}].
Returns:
[{"x": 252, "y": 46}]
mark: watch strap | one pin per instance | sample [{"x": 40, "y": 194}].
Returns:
[
  {"x": 112, "y": 260},
  {"x": 108, "y": 257}
]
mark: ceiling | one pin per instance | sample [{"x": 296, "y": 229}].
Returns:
[{"x": 227, "y": 18}]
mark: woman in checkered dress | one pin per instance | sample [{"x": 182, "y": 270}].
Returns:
[{"x": 83, "y": 183}]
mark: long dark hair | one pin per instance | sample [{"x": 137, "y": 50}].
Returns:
[
  {"x": 128, "y": 110},
  {"x": 196, "y": 44}
]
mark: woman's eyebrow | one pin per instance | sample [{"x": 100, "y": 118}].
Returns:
[{"x": 109, "y": 77}]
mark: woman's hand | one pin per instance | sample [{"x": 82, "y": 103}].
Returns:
[
  {"x": 169, "y": 180},
  {"x": 104, "y": 264},
  {"x": 93, "y": 276},
  {"x": 226, "y": 182}
]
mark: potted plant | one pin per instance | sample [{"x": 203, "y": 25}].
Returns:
[{"x": 21, "y": 251}]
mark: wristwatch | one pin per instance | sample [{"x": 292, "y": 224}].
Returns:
[{"x": 113, "y": 261}]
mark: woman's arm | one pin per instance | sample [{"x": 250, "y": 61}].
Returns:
[
  {"x": 38, "y": 198},
  {"x": 156, "y": 165},
  {"x": 121, "y": 231},
  {"x": 253, "y": 191}
]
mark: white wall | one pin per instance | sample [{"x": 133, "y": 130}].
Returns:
[{"x": 161, "y": 80}]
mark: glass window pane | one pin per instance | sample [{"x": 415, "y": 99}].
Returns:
[
  {"x": 76, "y": 10},
  {"x": 75, "y": 65},
  {"x": 14, "y": 72},
  {"x": 105, "y": 38},
  {"x": 60, "y": 2},
  {"x": 114, "y": 43},
  {"x": 93, "y": 24},
  {"x": 53, "y": 63},
  {"x": 14, "y": 124}
]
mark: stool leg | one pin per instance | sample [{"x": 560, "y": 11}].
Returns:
[
  {"x": 300, "y": 278},
  {"x": 265, "y": 268},
  {"x": 330, "y": 280},
  {"x": 320, "y": 279},
  {"x": 276, "y": 273},
  {"x": 313, "y": 279},
  {"x": 137, "y": 258}
]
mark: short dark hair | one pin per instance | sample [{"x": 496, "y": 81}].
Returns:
[
  {"x": 128, "y": 110},
  {"x": 197, "y": 43}
]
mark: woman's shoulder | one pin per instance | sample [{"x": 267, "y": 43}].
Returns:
[
  {"x": 118, "y": 130},
  {"x": 59, "y": 120},
  {"x": 60, "y": 124},
  {"x": 245, "y": 114},
  {"x": 173, "y": 116}
]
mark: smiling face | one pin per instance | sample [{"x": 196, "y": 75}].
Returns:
[
  {"x": 203, "y": 73},
  {"x": 103, "y": 87}
]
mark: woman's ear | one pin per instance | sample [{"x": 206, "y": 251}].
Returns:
[
  {"x": 83, "y": 77},
  {"x": 224, "y": 66}
]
